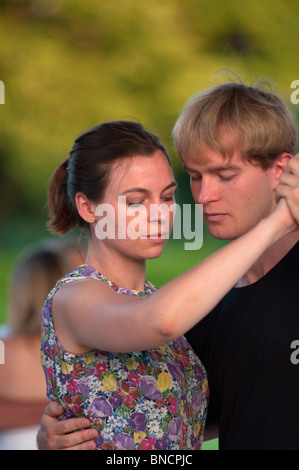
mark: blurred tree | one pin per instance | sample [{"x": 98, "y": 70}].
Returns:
[{"x": 68, "y": 65}]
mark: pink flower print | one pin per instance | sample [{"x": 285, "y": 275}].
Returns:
[
  {"x": 50, "y": 372},
  {"x": 134, "y": 378},
  {"x": 72, "y": 386},
  {"x": 100, "y": 368},
  {"x": 148, "y": 444},
  {"x": 186, "y": 361},
  {"x": 173, "y": 407}
]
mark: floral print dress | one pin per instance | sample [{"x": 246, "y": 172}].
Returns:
[{"x": 153, "y": 400}]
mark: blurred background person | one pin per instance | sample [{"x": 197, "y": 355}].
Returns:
[{"x": 22, "y": 383}]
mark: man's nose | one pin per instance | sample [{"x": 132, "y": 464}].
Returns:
[{"x": 208, "y": 191}]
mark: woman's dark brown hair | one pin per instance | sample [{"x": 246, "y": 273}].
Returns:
[{"x": 88, "y": 167}]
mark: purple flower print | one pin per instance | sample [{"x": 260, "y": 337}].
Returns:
[
  {"x": 174, "y": 428},
  {"x": 83, "y": 387},
  {"x": 197, "y": 401},
  {"x": 100, "y": 408},
  {"x": 115, "y": 400},
  {"x": 199, "y": 373},
  {"x": 46, "y": 348},
  {"x": 90, "y": 372},
  {"x": 184, "y": 342},
  {"x": 180, "y": 368},
  {"x": 161, "y": 444},
  {"x": 126, "y": 292},
  {"x": 173, "y": 371},
  {"x": 123, "y": 442},
  {"x": 99, "y": 440},
  {"x": 148, "y": 388},
  {"x": 89, "y": 271},
  {"x": 138, "y": 421}
]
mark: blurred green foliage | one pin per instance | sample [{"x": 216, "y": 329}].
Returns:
[{"x": 70, "y": 64}]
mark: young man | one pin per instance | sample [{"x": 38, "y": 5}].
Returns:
[{"x": 237, "y": 142}]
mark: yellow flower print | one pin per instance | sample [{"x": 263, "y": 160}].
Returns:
[
  {"x": 181, "y": 407},
  {"x": 66, "y": 368},
  {"x": 164, "y": 381},
  {"x": 89, "y": 358},
  {"x": 162, "y": 349},
  {"x": 196, "y": 429},
  {"x": 109, "y": 383},
  {"x": 139, "y": 436},
  {"x": 131, "y": 364},
  {"x": 205, "y": 385}
]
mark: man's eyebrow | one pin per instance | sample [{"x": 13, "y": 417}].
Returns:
[
  {"x": 144, "y": 190},
  {"x": 215, "y": 169}
]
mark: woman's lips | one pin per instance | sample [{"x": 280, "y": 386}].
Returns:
[{"x": 158, "y": 237}]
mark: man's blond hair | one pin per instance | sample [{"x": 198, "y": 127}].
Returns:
[{"x": 234, "y": 117}]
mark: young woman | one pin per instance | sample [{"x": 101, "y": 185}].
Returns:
[{"x": 113, "y": 348}]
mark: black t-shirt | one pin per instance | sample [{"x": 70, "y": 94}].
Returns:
[{"x": 247, "y": 346}]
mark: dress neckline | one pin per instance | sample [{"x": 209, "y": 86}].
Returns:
[{"x": 89, "y": 270}]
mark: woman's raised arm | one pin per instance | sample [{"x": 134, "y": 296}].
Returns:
[{"x": 89, "y": 315}]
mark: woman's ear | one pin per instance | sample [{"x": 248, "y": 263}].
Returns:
[
  {"x": 279, "y": 166},
  {"x": 85, "y": 208}
]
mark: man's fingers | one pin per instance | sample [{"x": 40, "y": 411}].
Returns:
[
  {"x": 293, "y": 165},
  {"x": 289, "y": 179},
  {"x": 70, "y": 425},
  {"x": 73, "y": 433},
  {"x": 80, "y": 440},
  {"x": 54, "y": 409}
]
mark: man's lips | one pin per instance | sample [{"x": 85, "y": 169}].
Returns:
[{"x": 214, "y": 216}]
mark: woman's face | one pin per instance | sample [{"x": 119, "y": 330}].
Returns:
[{"x": 136, "y": 214}]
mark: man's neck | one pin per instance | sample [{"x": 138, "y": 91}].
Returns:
[{"x": 269, "y": 259}]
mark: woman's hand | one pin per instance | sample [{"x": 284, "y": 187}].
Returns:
[
  {"x": 69, "y": 434},
  {"x": 289, "y": 186}
]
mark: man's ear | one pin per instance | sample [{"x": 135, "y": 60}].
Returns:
[{"x": 279, "y": 167}]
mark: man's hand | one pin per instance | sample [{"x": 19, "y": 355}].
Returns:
[
  {"x": 69, "y": 434},
  {"x": 289, "y": 186}
]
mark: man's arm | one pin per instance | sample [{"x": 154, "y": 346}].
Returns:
[
  {"x": 211, "y": 432},
  {"x": 289, "y": 186},
  {"x": 70, "y": 434}
]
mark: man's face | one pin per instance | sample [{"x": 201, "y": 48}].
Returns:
[{"x": 235, "y": 194}]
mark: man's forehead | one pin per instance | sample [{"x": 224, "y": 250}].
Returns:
[{"x": 213, "y": 161}]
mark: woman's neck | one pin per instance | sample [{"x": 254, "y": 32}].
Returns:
[{"x": 123, "y": 271}]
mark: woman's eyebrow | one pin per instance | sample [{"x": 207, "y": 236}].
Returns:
[
  {"x": 169, "y": 186},
  {"x": 135, "y": 190},
  {"x": 144, "y": 190}
]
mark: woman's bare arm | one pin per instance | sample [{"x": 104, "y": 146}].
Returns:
[{"x": 89, "y": 315}]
